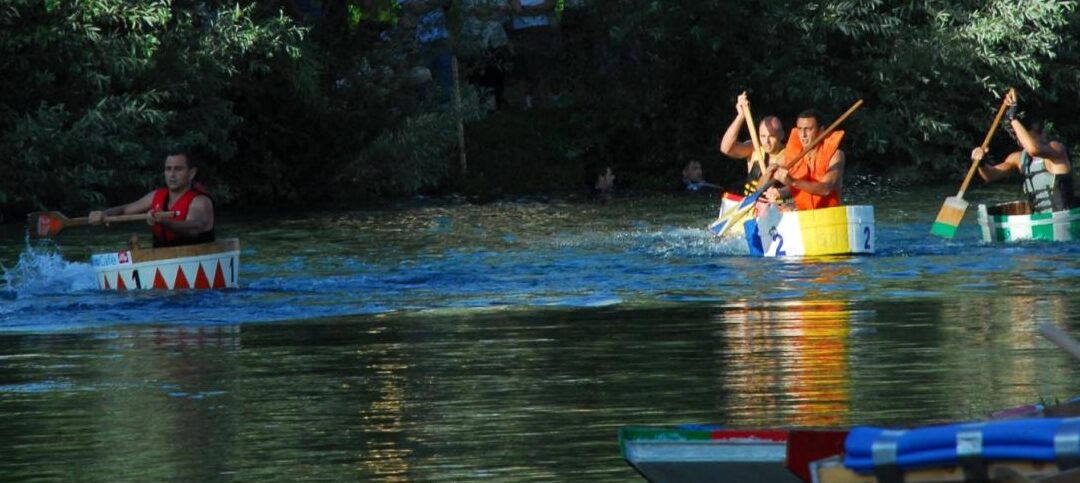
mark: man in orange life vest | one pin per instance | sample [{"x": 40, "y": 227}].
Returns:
[
  {"x": 194, "y": 221},
  {"x": 816, "y": 180}
]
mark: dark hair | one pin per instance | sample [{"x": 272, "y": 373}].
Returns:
[
  {"x": 811, "y": 113},
  {"x": 186, "y": 153}
]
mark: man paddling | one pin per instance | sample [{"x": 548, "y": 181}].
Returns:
[
  {"x": 194, "y": 221},
  {"x": 816, "y": 180},
  {"x": 1044, "y": 164},
  {"x": 770, "y": 133}
]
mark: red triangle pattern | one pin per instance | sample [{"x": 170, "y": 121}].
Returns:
[
  {"x": 120, "y": 281},
  {"x": 181, "y": 280},
  {"x": 200, "y": 278},
  {"x": 159, "y": 281},
  {"x": 219, "y": 278},
  {"x": 105, "y": 277}
]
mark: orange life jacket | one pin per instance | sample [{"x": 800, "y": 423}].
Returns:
[{"x": 812, "y": 168}]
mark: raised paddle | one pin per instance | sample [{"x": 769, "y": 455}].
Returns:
[
  {"x": 721, "y": 226},
  {"x": 952, "y": 211},
  {"x": 44, "y": 224},
  {"x": 759, "y": 153}
]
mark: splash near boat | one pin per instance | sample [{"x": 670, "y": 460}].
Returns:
[
  {"x": 1014, "y": 221},
  {"x": 212, "y": 265}
]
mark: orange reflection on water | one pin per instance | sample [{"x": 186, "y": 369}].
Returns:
[{"x": 788, "y": 363}]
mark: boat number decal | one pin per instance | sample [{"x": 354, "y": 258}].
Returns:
[
  {"x": 776, "y": 237},
  {"x": 866, "y": 231}
]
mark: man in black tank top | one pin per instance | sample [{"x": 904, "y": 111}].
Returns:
[
  {"x": 1044, "y": 164},
  {"x": 770, "y": 134}
]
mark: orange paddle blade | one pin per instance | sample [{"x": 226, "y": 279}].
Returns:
[{"x": 44, "y": 224}]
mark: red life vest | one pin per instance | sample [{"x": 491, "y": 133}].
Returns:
[
  {"x": 813, "y": 168},
  {"x": 164, "y": 237}
]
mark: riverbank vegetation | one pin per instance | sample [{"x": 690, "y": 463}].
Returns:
[{"x": 308, "y": 102}]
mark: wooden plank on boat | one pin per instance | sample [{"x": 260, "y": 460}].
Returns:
[{"x": 139, "y": 255}]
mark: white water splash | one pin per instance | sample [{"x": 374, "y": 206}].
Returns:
[{"x": 42, "y": 270}]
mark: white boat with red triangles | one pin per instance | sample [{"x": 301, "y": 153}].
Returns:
[{"x": 213, "y": 265}]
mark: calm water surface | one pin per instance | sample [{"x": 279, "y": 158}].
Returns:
[{"x": 441, "y": 341}]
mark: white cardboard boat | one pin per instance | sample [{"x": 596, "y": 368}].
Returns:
[
  {"x": 213, "y": 265},
  {"x": 839, "y": 230},
  {"x": 1014, "y": 221}
]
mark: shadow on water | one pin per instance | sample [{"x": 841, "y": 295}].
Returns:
[{"x": 509, "y": 342}]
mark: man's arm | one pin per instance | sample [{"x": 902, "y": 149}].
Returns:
[
  {"x": 200, "y": 218},
  {"x": 1033, "y": 146},
  {"x": 828, "y": 183},
  {"x": 997, "y": 171},
  {"x": 729, "y": 146},
  {"x": 141, "y": 205}
]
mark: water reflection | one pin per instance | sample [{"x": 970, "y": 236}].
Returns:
[{"x": 788, "y": 362}]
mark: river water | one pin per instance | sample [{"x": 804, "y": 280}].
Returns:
[{"x": 443, "y": 341}]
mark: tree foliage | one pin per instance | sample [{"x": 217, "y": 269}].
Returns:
[{"x": 310, "y": 101}]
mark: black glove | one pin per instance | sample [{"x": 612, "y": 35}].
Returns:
[{"x": 1010, "y": 113}]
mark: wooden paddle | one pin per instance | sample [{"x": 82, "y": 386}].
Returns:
[
  {"x": 952, "y": 211},
  {"x": 759, "y": 153},
  {"x": 724, "y": 224},
  {"x": 44, "y": 224}
]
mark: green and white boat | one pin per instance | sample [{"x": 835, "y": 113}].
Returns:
[{"x": 1014, "y": 221}]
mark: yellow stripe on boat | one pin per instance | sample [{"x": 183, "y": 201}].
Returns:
[{"x": 827, "y": 231}]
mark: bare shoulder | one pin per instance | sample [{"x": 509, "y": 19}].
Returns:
[
  {"x": 1013, "y": 158},
  {"x": 837, "y": 157},
  {"x": 202, "y": 201}
]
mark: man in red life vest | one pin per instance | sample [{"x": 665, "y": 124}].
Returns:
[
  {"x": 194, "y": 220},
  {"x": 816, "y": 181}
]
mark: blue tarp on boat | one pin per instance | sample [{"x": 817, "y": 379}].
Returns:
[{"x": 1041, "y": 439}]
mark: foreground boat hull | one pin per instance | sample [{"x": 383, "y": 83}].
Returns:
[
  {"x": 212, "y": 265},
  {"x": 1008, "y": 222},
  {"x": 840, "y": 230},
  {"x": 711, "y": 454}
]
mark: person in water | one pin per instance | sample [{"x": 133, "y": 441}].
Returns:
[
  {"x": 770, "y": 135},
  {"x": 194, "y": 206},
  {"x": 816, "y": 180},
  {"x": 693, "y": 179},
  {"x": 1044, "y": 164}
]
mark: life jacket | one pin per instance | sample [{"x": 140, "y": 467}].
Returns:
[
  {"x": 754, "y": 174},
  {"x": 1046, "y": 191},
  {"x": 812, "y": 167},
  {"x": 164, "y": 237}
]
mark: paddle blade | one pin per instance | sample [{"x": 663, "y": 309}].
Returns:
[
  {"x": 736, "y": 219},
  {"x": 948, "y": 219},
  {"x": 44, "y": 224}
]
